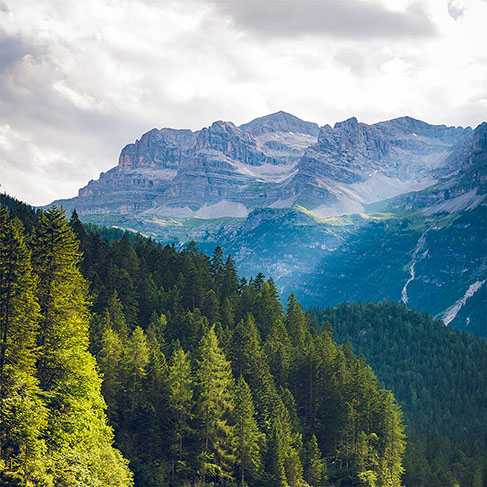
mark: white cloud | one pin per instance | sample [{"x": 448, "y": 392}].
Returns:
[{"x": 82, "y": 79}]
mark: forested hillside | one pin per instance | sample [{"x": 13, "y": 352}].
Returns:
[
  {"x": 205, "y": 379},
  {"x": 438, "y": 376},
  {"x": 53, "y": 430}
]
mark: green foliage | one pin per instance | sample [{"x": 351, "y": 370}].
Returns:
[
  {"x": 181, "y": 389},
  {"x": 215, "y": 404},
  {"x": 190, "y": 421},
  {"x": 249, "y": 438},
  {"x": 437, "y": 375},
  {"x": 52, "y": 409}
]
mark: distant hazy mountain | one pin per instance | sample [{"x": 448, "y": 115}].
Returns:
[
  {"x": 276, "y": 161},
  {"x": 394, "y": 210}
]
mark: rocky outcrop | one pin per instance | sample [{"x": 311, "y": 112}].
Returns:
[
  {"x": 276, "y": 161},
  {"x": 280, "y": 122},
  {"x": 462, "y": 181}
]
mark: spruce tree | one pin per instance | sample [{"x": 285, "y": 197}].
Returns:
[
  {"x": 216, "y": 269},
  {"x": 229, "y": 279},
  {"x": 78, "y": 438},
  {"x": 313, "y": 465},
  {"x": 110, "y": 362},
  {"x": 22, "y": 411},
  {"x": 135, "y": 362},
  {"x": 180, "y": 384},
  {"x": 216, "y": 401},
  {"x": 249, "y": 439}
]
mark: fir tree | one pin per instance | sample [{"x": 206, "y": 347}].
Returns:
[
  {"x": 248, "y": 436},
  {"x": 229, "y": 279},
  {"x": 136, "y": 360},
  {"x": 215, "y": 403},
  {"x": 77, "y": 436},
  {"x": 22, "y": 412},
  {"x": 110, "y": 362},
  {"x": 180, "y": 383}
]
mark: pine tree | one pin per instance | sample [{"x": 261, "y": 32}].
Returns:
[
  {"x": 136, "y": 360},
  {"x": 210, "y": 307},
  {"x": 180, "y": 383},
  {"x": 157, "y": 327},
  {"x": 110, "y": 362},
  {"x": 278, "y": 447},
  {"x": 229, "y": 279},
  {"x": 157, "y": 373},
  {"x": 78, "y": 438},
  {"x": 313, "y": 465},
  {"x": 216, "y": 269},
  {"x": 295, "y": 322},
  {"x": 248, "y": 360},
  {"x": 268, "y": 310},
  {"x": 390, "y": 432},
  {"x": 279, "y": 350},
  {"x": 215, "y": 403},
  {"x": 249, "y": 438},
  {"x": 22, "y": 412}
]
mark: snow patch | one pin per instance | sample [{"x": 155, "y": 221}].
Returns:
[
  {"x": 451, "y": 313},
  {"x": 294, "y": 141},
  {"x": 344, "y": 206},
  {"x": 285, "y": 203},
  {"x": 267, "y": 173},
  {"x": 223, "y": 208},
  {"x": 176, "y": 212}
]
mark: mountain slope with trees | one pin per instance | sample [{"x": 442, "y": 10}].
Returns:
[
  {"x": 204, "y": 377},
  {"x": 54, "y": 430},
  {"x": 207, "y": 379},
  {"x": 438, "y": 376}
]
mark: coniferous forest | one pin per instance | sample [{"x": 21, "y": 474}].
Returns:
[{"x": 127, "y": 362}]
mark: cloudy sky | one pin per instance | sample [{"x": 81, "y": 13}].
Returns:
[{"x": 81, "y": 79}]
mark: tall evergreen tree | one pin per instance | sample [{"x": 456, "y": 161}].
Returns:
[
  {"x": 249, "y": 439},
  {"x": 110, "y": 362},
  {"x": 77, "y": 435},
  {"x": 181, "y": 385},
  {"x": 313, "y": 464},
  {"x": 136, "y": 360},
  {"x": 22, "y": 412},
  {"x": 229, "y": 279},
  {"x": 215, "y": 403}
]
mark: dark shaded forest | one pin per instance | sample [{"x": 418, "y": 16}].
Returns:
[{"x": 438, "y": 375}]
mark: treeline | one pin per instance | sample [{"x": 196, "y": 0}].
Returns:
[
  {"x": 205, "y": 378},
  {"x": 438, "y": 375}
]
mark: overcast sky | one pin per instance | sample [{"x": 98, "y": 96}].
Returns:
[{"x": 81, "y": 79}]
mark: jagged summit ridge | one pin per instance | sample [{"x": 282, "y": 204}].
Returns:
[
  {"x": 274, "y": 161},
  {"x": 280, "y": 122}
]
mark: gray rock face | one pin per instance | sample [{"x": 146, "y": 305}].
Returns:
[
  {"x": 463, "y": 188},
  {"x": 355, "y": 163},
  {"x": 275, "y": 161},
  {"x": 280, "y": 122}
]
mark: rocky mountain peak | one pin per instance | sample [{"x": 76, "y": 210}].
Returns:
[
  {"x": 280, "y": 160},
  {"x": 280, "y": 122},
  {"x": 349, "y": 124}
]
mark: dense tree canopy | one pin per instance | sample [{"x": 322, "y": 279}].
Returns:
[
  {"x": 205, "y": 378},
  {"x": 438, "y": 376},
  {"x": 54, "y": 429}
]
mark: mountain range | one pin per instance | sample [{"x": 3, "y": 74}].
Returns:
[{"x": 393, "y": 210}]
